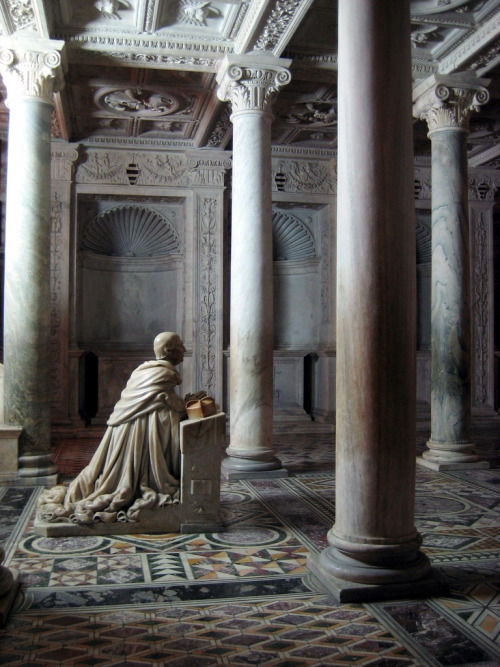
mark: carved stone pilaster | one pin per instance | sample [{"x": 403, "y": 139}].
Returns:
[
  {"x": 62, "y": 162},
  {"x": 208, "y": 171},
  {"x": 447, "y": 102},
  {"x": 251, "y": 83},
  {"x": 32, "y": 69}
]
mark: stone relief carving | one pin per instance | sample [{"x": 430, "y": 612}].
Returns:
[
  {"x": 56, "y": 307},
  {"x": 138, "y": 100},
  {"x": 316, "y": 113},
  {"x": 102, "y": 166},
  {"x": 482, "y": 188},
  {"x": 276, "y": 24},
  {"x": 422, "y": 184},
  {"x": 480, "y": 309},
  {"x": 196, "y": 12},
  {"x": 221, "y": 128},
  {"x": 304, "y": 176},
  {"x": 22, "y": 14},
  {"x": 292, "y": 240},
  {"x": 110, "y": 8},
  {"x": 208, "y": 293},
  {"x": 131, "y": 231},
  {"x": 423, "y": 34},
  {"x": 164, "y": 169}
]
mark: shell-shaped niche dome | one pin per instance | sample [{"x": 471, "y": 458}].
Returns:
[
  {"x": 291, "y": 238},
  {"x": 424, "y": 243},
  {"x": 131, "y": 231}
]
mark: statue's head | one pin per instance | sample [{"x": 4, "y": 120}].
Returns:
[{"x": 169, "y": 346}]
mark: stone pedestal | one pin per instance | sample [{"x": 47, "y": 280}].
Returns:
[
  {"x": 374, "y": 550},
  {"x": 446, "y": 103},
  {"x": 250, "y": 83},
  {"x": 31, "y": 70},
  {"x": 9, "y": 435}
]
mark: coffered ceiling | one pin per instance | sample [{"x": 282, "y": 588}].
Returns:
[{"x": 143, "y": 71}]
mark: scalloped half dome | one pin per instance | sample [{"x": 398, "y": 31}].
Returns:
[
  {"x": 291, "y": 238},
  {"x": 131, "y": 231}
]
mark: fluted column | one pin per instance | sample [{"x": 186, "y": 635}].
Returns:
[
  {"x": 374, "y": 550},
  {"x": 31, "y": 70},
  {"x": 446, "y": 103},
  {"x": 250, "y": 84}
]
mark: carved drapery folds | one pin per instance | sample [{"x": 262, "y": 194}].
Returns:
[
  {"x": 251, "y": 83},
  {"x": 32, "y": 69},
  {"x": 447, "y": 102}
]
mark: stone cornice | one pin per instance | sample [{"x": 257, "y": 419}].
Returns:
[
  {"x": 466, "y": 50},
  {"x": 447, "y": 102},
  {"x": 32, "y": 68},
  {"x": 251, "y": 82}
]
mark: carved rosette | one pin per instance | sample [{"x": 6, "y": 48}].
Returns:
[
  {"x": 32, "y": 74},
  {"x": 446, "y": 105},
  {"x": 252, "y": 86}
]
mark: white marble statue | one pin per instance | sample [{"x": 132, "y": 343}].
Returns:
[{"x": 136, "y": 465}]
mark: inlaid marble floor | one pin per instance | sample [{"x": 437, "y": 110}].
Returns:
[{"x": 243, "y": 596}]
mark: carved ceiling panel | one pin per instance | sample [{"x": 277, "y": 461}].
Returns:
[{"x": 143, "y": 71}]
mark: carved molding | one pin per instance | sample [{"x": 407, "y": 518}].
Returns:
[
  {"x": 277, "y": 23},
  {"x": 29, "y": 73},
  {"x": 446, "y": 103},
  {"x": 209, "y": 172},
  {"x": 22, "y": 15},
  {"x": 251, "y": 84}
]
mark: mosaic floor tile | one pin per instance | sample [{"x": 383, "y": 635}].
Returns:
[{"x": 243, "y": 596}]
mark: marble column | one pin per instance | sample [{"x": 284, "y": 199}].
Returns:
[
  {"x": 31, "y": 70},
  {"x": 374, "y": 550},
  {"x": 446, "y": 103},
  {"x": 250, "y": 84}
]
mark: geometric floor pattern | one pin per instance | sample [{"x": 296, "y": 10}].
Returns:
[{"x": 244, "y": 596}]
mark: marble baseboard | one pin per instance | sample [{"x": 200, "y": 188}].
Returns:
[{"x": 442, "y": 466}]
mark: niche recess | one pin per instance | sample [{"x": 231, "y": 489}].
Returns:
[{"x": 130, "y": 272}]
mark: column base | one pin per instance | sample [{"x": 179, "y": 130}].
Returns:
[
  {"x": 234, "y": 468},
  {"x": 9, "y": 585},
  {"x": 37, "y": 470},
  {"x": 438, "y": 466},
  {"x": 432, "y": 584}
]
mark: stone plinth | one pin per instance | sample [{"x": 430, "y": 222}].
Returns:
[{"x": 9, "y": 436}]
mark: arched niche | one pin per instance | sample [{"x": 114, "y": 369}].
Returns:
[
  {"x": 297, "y": 287},
  {"x": 130, "y": 277}
]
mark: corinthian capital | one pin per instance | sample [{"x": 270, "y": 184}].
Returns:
[
  {"x": 446, "y": 102},
  {"x": 31, "y": 69},
  {"x": 251, "y": 82}
]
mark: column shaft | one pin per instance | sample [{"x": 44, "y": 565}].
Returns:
[
  {"x": 251, "y": 323},
  {"x": 445, "y": 103},
  {"x": 27, "y": 276},
  {"x": 374, "y": 543},
  {"x": 250, "y": 83},
  {"x": 31, "y": 69}
]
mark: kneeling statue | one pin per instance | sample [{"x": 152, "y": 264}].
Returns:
[{"x": 136, "y": 465}]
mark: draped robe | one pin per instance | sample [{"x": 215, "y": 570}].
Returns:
[{"x": 136, "y": 465}]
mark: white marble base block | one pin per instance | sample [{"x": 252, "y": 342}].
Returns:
[{"x": 9, "y": 452}]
